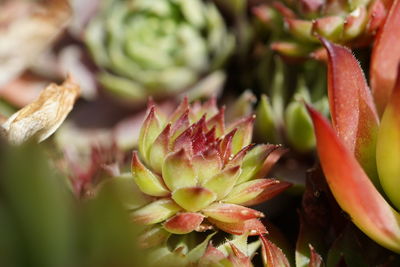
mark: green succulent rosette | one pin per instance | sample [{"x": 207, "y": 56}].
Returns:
[{"x": 156, "y": 48}]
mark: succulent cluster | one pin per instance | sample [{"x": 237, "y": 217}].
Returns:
[
  {"x": 156, "y": 48},
  {"x": 344, "y": 22},
  {"x": 200, "y": 173}
]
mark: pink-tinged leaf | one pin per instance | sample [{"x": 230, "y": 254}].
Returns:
[
  {"x": 230, "y": 213},
  {"x": 238, "y": 258},
  {"x": 199, "y": 139},
  {"x": 285, "y": 11},
  {"x": 243, "y": 134},
  {"x": 178, "y": 170},
  {"x": 377, "y": 13},
  {"x": 180, "y": 126},
  {"x": 148, "y": 182},
  {"x": 183, "y": 141},
  {"x": 159, "y": 149},
  {"x": 352, "y": 109},
  {"x": 269, "y": 192},
  {"x": 238, "y": 158},
  {"x": 253, "y": 162},
  {"x": 270, "y": 161},
  {"x": 193, "y": 198},
  {"x": 355, "y": 23},
  {"x": 151, "y": 128},
  {"x": 352, "y": 189},
  {"x": 251, "y": 227},
  {"x": 301, "y": 29},
  {"x": 272, "y": 255},
  {"x": 315, "y": 258},
  {"x": 225, "y": 146},
  {"x": 223, "y": 182},
  {"x": 291, "y": 49},
  {"x": 212, "y": 255},
  {"x": 155, "y": 212},
  {"x": 180, "y": 110},
  {"x": 385, "y": 57},
  {"x": 183, "y": 223},
  {"x": 248, "y": 191},
  {"x": 388, "y": 147}
]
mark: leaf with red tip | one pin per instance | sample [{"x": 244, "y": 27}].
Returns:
[
  {"x": 193, "y": 198},
  {"x": 225, "y": 146},
  {"x": 352, "y": 189},
  {"x": 248, "y": 191},
  {"x": 184, "y": 141},
  {"x": 180, "y": 126},
  {"x": 272, "y": 255},
  {"x": 159, "y": 149},
  {"x": 155, "y": 212},
  {"x": 253, "y": 162},
  {"x": 352, "y": 109},
  {"x": 251, "y": 227},
  {"x": 183, "y": 223},
  {"x": 269, "y": 192},
  {"x": 388, "y": 147},
  {"x": 178, "y": 170},
  {"x": 180, "y": 110},
  {"x": 230, "y": 213},
  {"x": 199, "y": 139},
  {"x": 148, "y": 182},
  {"x": 270, "y": 161},
  {"x": 151, "y": 128},
  {"x": 301, "y": 29},
  {"x": 212, "y": 255},
  {"x": 243, "y": 134},
  {"x": 385, "y": 57},
  {"x": 238, "y": 158}
]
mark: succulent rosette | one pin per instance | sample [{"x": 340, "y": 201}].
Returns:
[
  {"x": 297, "y": 24},
  {"x": 157, "y": 47},
  {"x": 200, "y": 174}
]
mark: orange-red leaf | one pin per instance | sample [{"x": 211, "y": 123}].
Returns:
[
  {"x": 353, "y": 112},
  {"x": 353, "y": 190},
  {"x": 385, "y": 57}
]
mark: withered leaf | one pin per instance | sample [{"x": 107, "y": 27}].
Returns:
[{"x": 42, "y": 117}]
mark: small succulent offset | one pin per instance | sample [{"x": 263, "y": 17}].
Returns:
[
  {"x": 299, "y": 23},
  {"x": 156, "y": 48},
  {"x": 360, "y": 155},
  {"x": 200, "y": 174}
]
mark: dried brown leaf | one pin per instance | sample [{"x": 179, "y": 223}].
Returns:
[{"x": 42, "y": 117}]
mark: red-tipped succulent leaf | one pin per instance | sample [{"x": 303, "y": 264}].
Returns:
[
  {"x": 352, "y": 189},
  {"x": 352, "y": 109}
]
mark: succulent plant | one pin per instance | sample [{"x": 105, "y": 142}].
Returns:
[
  {"x": 198, "y": 174},
  {"x": 360, "y": 156},
  {"x": 296, "y": 25},
  {"x": 159, "y": 48},
  {"x": 281, "y": 115},
  {"x": 235, "y": 251}
]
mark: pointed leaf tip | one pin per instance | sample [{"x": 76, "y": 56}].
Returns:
[
  {"x": 353, "y": 190},
  {"x": 354, "y": 116}
]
